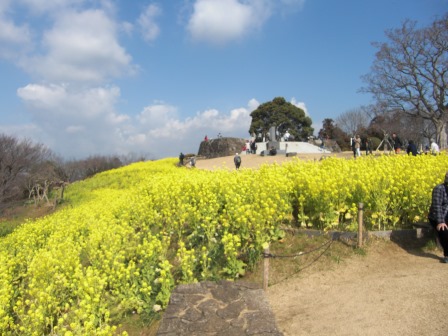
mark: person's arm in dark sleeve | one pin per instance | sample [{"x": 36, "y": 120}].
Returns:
[{"x": 437, "y": 198}]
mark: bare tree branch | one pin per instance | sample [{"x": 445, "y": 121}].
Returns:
[
  {"x": 351, "y": 122},
  {"x": 410, "y": 73}
]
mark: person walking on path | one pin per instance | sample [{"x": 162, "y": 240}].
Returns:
[
  {"x": 357, "y": 146},
  {"x": 438, "y": 215},
  {"x": 237, "y": 161}
]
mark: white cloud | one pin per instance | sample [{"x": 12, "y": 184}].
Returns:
[
  {"x": 81, "y": 122},
  {"x": 300, "y": 105},
  {"x": 75, "y": 113},
  {"x": 76, "y": 122},
  {"x": 61, "y": 101},
  {"x": 40, "y": 96},
  {"x": 45, "y": 6},
  {"x": 81, "y": 47},
  {"x": 146, "y": 21},
  {"x": 167, "y": 134},
  {"x": 253, "y": 104},
  {"x": 157, "y": 115},
  {"x": 221, "y": 21},
  {"x": 236, "y": 122},
  {"x": 14, "y": 38}
]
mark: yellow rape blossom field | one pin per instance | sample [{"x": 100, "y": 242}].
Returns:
[{"x": 124, "y": 238}]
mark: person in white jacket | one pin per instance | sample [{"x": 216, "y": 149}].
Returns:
[{"x": 434, "y": 147}]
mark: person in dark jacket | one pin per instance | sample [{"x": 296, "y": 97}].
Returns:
[
  {"x": 181, "y": 159},
  {"x": 412, "y": 148},
  {"x": 237, "y": 161},
  {"x": 369, "y": 146},
  {"x": 438, "y": 215}
]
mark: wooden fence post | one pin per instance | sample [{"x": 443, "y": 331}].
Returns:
[
  {"x": 360, "y": 223},
  {"x": 265, "y": 268}
]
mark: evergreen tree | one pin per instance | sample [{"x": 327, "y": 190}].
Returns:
[{"x": 284, "y": 116}]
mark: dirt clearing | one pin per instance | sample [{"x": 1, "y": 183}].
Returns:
[{"x": 388, "y": 291}]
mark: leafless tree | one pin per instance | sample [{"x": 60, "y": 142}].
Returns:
[
  {"x": 407, "y": 127},
  {"x": 17, "y": 157},
  {"x": 410, "y": 73},
  {"x": 352, "y": 121},
  {"x": 41, "y": 178},
  {"x": 29, "y": 170},
  {"x": 76, "y": 170}
]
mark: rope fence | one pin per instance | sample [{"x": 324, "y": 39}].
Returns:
[{"x": 268, "y": 255}]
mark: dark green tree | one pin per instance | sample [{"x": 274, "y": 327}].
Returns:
[
  {"x": 330, "y": 131},
  {"x": 327, "y": 130},
  {"x": 284, "y": 116}
]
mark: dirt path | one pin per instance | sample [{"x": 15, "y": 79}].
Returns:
[
  {"x": 255, "y": 161},
  {"x": 389, "y": 291}
]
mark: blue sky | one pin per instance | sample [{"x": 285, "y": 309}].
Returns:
[{"x": 87, "y": 77}]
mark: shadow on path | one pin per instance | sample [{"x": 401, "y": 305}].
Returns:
[{"x": 415, "y": 245}]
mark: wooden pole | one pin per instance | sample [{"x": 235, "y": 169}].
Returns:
[
  {"x": 266, "y": 269},
  {"x": 360, "y": 223}
]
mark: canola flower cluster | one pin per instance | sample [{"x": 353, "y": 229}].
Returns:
[{"x": 126, "y": 237}]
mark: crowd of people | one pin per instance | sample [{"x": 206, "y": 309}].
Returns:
[
  {"x": 192, "y": 160},
  {"x": 250, "y": 147},
  {"x": 394, "y": 143}
]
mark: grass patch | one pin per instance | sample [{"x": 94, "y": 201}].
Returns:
[
  {"x": 431, "y": 245},
  {"x": 360, "y": 251},
  {"x": 16, "y": 214}
]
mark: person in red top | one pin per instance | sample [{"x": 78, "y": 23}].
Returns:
[{"x": 396, "y": 142}]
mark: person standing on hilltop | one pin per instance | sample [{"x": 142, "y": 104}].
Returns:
[
  {"x": 181, "y": 159},
  {"x": 438, "y": 215},
  {"x": 253, "y": 147},
  {"x": 237, "y": 161},
  {"x": 192, "y": 162}
]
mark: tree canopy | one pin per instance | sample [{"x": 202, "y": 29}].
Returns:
[
  {"x": 410, "y": 73},
  {"x": 331, "y": 131},
  {"x": 284, "y": 116}
]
